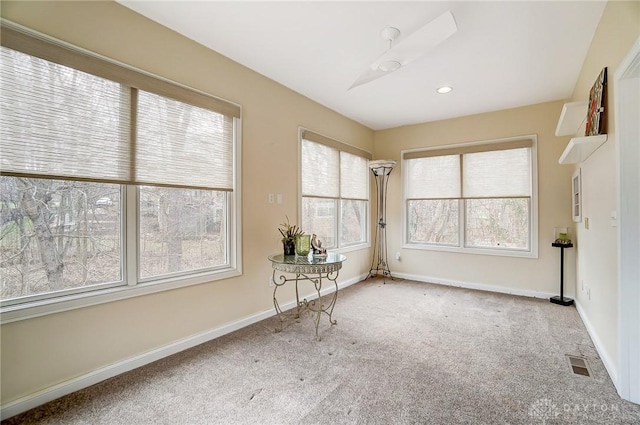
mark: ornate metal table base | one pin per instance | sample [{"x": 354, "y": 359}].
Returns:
[{"x": 311, "y": 269}]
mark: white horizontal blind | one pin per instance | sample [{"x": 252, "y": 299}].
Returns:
[
  {"x": 320, "y": 170},
  {"x": 67, "y": 114},
  {"x": 178, "y": 144},
  {"x": 435, "y": 177},
  {"x": 58, "y": 122},
  {"x": 327, "y": 141},
  {"x": 55, "y": 51},
  {"x": 499, "y": 173},
  {"x": 354, "y": 175}
]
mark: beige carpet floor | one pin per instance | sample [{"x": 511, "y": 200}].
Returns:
[{"x": 401, "y": 353}]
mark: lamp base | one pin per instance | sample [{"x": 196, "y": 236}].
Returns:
[{"x": 561, "y": 301}]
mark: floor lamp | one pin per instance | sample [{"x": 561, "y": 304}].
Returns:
[{"x": 381, "y": 170}]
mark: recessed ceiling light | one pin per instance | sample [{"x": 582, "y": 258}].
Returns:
[{"x": 444, "y": 89}]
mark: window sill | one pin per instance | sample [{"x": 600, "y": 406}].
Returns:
[
  {"x": 44, "y": 307},
  {"x": 478, "y": 251}
]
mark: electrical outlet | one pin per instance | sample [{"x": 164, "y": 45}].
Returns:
[
  {"x": 271, "y": 198},
  {"x": 271, "y": 284},
  {"x": 398, "y": 256}
]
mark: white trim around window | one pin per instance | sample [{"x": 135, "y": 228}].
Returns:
[
  {"x": 130, "y": 284},
  {"x": 133, "y": 288},
  {"x": 355, "y": 190},
  {"x": 458, "y": 246}
]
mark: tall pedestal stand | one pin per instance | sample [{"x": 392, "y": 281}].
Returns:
[
  {"x": 379, "y": 265},
  {"x": 561, "y": 299}
]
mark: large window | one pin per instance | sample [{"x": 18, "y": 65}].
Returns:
[
  {"x": 472, "y": 198},
  {"x": 335, "y": 191},
  {"x": 110, "y": 177}
]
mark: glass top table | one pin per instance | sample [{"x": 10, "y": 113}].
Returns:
[
  {"x": 308, "y": 263},
  {"x": 310, "y": 268}
]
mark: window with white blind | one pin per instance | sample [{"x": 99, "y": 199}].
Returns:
[
  {"x": 110, "y": 178},
  {"x": 334, "y": 191},
  {"x": 479, "y": 197}
]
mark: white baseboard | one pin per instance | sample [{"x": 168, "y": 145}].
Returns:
[
  {"x": 477, "y": 286},
  {"x": 30, "y": 401},
  {"x": 604, "y": 355}
]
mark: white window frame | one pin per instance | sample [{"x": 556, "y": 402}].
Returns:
[
  {"x": 131, "y": 286},
  {"x": 532, "y": 252},
  {"x": 337, "y": 201}
]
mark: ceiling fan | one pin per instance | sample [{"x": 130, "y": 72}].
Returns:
[{"x": 409, "y": 48}]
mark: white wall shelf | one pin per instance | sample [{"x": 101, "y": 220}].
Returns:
[
  {"x": 580, "y": 148},
  {"x": 571, "y": 118}
]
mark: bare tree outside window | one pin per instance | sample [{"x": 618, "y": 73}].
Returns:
[
  {"x": 433, "y": 221},
  {"x": 353, "y": 222},
  {"x": 181, "y": 230},
  {"x": 498, "y": 223},
  {"x": 57, "y": 235}
]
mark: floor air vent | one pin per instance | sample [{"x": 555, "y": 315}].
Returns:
[{"x": 579, "y": 366}]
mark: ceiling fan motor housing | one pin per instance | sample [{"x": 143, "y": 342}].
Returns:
[{"x": 390, "y": 33}]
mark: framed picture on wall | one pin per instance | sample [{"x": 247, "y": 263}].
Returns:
[
  {"x": 576, "y": 196},
  {"x": 597, "y": 114}
]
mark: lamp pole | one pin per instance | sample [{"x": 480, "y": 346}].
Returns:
[{"x": 381, "y": 169}]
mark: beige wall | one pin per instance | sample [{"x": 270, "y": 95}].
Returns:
[
  {"x": 597, "y": 247},
  {"x": 506, "y": 274},
  {"x": 41, "y": 352}
]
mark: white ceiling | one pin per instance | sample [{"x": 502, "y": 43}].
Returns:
[{"x": 504, "y": 54}]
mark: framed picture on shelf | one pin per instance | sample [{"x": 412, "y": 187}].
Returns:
[{"x": 597, "y": 114}]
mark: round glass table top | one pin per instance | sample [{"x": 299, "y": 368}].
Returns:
[{"x": 308, "y": 260}]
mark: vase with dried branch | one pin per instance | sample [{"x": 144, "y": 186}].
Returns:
[{"x": 289, "y": 234}]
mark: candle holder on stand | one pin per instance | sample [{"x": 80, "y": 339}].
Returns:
[{"x": 379, "y": 265}]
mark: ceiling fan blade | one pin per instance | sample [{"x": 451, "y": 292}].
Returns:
[
  {"x": 421, "y": 41},
  {"x": 411, "y": 47},
  {"x": 367, "y": 76}
]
